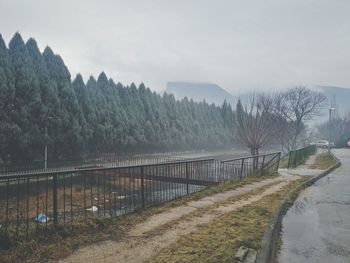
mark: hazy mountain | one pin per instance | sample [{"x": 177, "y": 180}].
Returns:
[
  {"x": 338, "y": 97},
  {"x": 209, "y": 92}
]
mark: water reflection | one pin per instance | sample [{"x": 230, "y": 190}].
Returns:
[{"x": 300, "y": 206}]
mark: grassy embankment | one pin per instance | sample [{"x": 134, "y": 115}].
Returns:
[
  {"x": 323, "y": 161},
  {"x": 219, "y": 240},
  {"x": 54, "y": 243}
]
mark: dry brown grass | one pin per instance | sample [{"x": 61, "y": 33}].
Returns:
[
  {"x": 201, "y": 211},
  {"x": 323, "y": 161},
  {"x": 219, "y": 240}
]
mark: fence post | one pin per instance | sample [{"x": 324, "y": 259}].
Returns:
[
  {"x": 242, "y": 165},
  {"x": 289, "y": 154},
  {"x": 278, "y": 162},
  {"x": 142, "y": 189},
  {"x": 54, "y": 199},
  {"x": 187, "y": 178},
  {"x": 262, "y": 166}
]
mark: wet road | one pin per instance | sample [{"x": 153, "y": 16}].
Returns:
[{"x": 317, "y": 227}]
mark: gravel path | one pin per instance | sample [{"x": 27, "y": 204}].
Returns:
[{"x": 140, "y": 247}]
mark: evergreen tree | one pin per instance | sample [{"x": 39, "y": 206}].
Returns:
[
  {"x": 37, "y": 95},
  {"x": 27, "y": 101},
  {"x": 9, "y": 131}
]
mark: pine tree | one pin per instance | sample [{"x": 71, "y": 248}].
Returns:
[
  {"x": 27, "y": 101},
  {"x": 9, "y": 131},
  {"x": 37, "y": 94}
]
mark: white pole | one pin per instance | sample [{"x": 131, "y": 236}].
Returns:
[{"x": 330, "y": 129}]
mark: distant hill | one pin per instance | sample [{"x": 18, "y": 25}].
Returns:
[
  {"x": 209, "y": 92},
  {"x": 213, "y": 93}
]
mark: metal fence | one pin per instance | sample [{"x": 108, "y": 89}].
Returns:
[
  {"x": 297, "y": 157},
  {"x": 69, "y": 164},
  {"x": 246, "y": 166},
  {"x": 31, "y": 201}
]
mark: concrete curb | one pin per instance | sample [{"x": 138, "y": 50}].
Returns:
[{"x": 269, "y": 244}]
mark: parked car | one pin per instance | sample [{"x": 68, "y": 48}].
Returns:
[{"x": 323, "y": 144}]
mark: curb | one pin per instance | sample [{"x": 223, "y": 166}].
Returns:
[{"x": 268, "y": 251}]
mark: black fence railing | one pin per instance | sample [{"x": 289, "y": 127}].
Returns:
[
  {"x": 69, "y": 164},
  {"x": 31, "y": 201},
  {"x": 246, "y": 166}
]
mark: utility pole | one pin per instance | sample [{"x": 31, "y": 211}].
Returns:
[{"x": 330, "y": 128}]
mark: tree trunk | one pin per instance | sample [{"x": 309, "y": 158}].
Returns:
[{"x": 255, "y": 152}]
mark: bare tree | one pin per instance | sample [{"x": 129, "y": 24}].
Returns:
[
  {"x": 291, "y": 109},
  {"x": 338, "y": 130},
  {"x": 280, "y": 127},
  {"x": 253, "y": 126}
]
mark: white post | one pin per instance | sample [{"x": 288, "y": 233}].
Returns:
[{"x": 330, "y": 129}]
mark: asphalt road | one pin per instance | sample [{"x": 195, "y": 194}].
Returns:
[{"x": 317, "y": 227}]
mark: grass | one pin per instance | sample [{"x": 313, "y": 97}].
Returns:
[
  {"x": 323, "y": 161},
  {"x": 55, "y": 243},
  {"x": 284, "y": 162},
  {"x": 201, "y": 211},
  {"x": 219, "y": 240}
]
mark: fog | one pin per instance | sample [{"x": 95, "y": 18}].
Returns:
[{"x": 239, "y": 45}]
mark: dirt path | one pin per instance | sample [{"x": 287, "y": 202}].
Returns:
[
  {"x": 304, "y": 169},
  {"x": 138, "y": 247}
]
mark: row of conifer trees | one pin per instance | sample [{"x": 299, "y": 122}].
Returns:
[{"x": 37, "y": 96}]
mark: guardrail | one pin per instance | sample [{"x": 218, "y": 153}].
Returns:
[{"x": 32, "y": 201}]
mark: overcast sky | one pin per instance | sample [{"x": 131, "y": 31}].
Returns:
[{"x": 240, "y": 45}]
